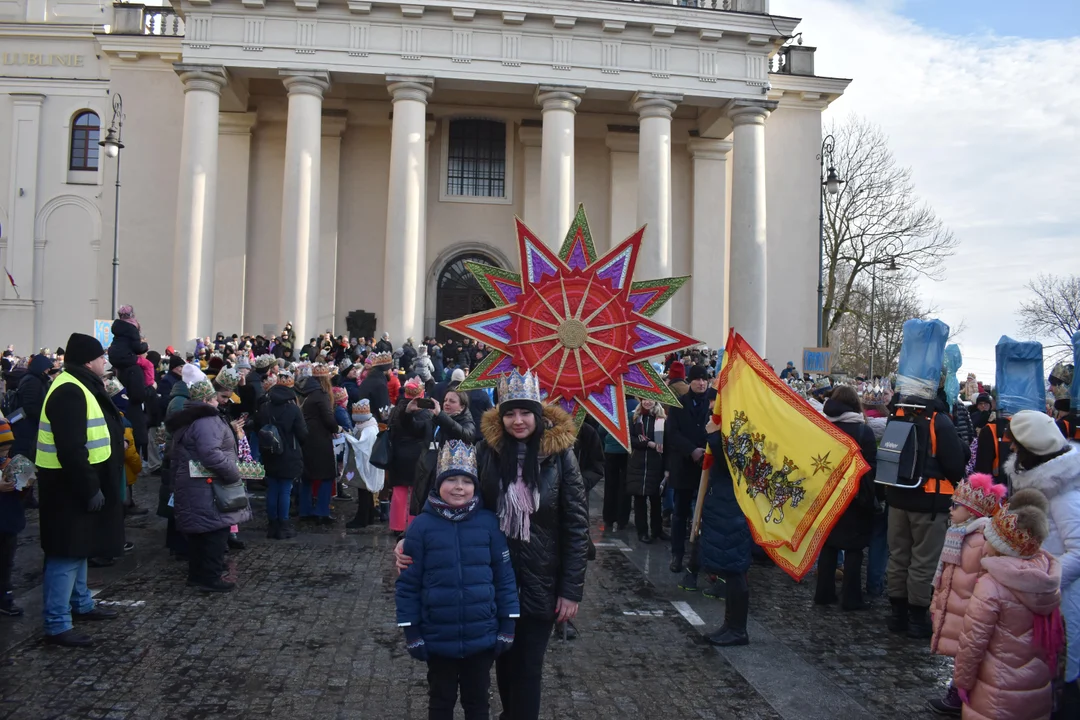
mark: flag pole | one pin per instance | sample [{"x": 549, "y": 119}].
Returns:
[{"x": 693, "y": 565}]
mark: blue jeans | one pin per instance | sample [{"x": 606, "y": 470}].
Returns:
[
  {"x": 322, "y": 507},
  {"x": 65, "y": 591},
  {"x": 278, "y": 495},
  {"x": 667, "y": 500},
  {"x": 878, "y": 555}
]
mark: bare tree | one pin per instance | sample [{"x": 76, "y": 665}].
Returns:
[
  {"x": 875, "y": 220},
  {"x": 1053, "y": 314}
]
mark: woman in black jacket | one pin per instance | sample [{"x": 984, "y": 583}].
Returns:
[
  {"x": 529, "y": 476},
  {"x": 451, "y": 421},
  {"x": 286, "y": 467},
  {"x": 410, "y": 428},
  {"x": 852, "y": 531},
  {"x": 320, "y": 465},
  {"x": 645, "y": 470}
]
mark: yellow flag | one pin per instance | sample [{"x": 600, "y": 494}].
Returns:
[{"x": 794, "y": 471}]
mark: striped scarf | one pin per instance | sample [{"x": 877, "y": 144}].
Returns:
[
  {"x": 518, "y": 503},
  {"x": 952, "y": 550}
]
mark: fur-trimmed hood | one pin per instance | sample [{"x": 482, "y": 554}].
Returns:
[
  {"x": 192, "y": 411},
  {"x": 559, "y": 431},
  {"x": 1052, "y": 478}
]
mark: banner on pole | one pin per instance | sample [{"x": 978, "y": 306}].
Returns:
[
  {"x": 103, "y": 332},
  {"x": 817, "y": 360}
]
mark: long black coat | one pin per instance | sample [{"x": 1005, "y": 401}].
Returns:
[
  {"x": 135, "y": 384},
  {"x": 375, "y": 390},
  {"x": 285, "y": 414},
  {"x": 68, "y": 528},
  {"x": 552, "y": 564},
  {"x": 589, "y": 450},
  {"x": 410, "y": 436},
  {"x": 852, "y": 531},
  {"x": 645, "y": 469},
  {"x": 684, "y": 433},
  {"x": 319, "y": 461},
  {"x": 31, "y": 391}
]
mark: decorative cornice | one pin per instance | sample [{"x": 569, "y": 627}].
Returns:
[{"x": 205, "y": 78}]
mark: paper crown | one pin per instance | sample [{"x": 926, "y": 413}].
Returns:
[
  {"x": 285, "y": 378},
  {"x": 113, "y": 386},
  {"x": 516, "y": 387},
  {"x": 340, "y": 395},
  {"x": 414, "y": 388},
  {"x": 380, "y": 359},
  {"x": 320, "y": 370},
  {"x": 1007, "y": 538},
  {"x": 455, "y": 458},
  {"x": 1062, "y": 374},
  {"x": 228, "y": 379},
  {"x": 264, "y": 361},
  {"x": 980, "y": 495},
  {"x": 303, "y": 370},
  {"x": 362, "y": 406}
]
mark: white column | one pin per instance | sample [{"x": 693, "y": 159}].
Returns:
[
  {"x": 623, "y": 186},
  {"x": 24, "y": 256},
  {"x": 531, "y": 212},
  {"x": 230, "y": 262},
  {"x": 405, "y": 257},
  {"x": 300, "y": 214},
  {"x": 557, "y": 161},
  {"x": 709, "y": 240},
  {"x": 654, "y": 186},
  {"x": 193, "y": 253},
  {"x": 748, "y": 288},
  {"x": 333, "y": 126}
]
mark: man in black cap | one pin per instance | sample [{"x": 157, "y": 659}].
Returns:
[
  {"x": 685, "y": 442},
  {"x": 80, "y": 469}
]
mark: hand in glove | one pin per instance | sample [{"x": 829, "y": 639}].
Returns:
[
  {"x": 505, "y": 639},
  {"x": 414, "y": 643},
  {"x": 97, "y": 502}
]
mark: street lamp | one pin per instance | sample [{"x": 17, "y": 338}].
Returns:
[
  {"x": 113, "y": 146},
  {"x": 878, "y": 259},
  {"x": 831, "y": 182}
]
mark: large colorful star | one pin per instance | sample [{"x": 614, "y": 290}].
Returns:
[{"x": 579, "y": 323}]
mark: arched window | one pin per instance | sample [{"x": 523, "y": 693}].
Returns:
[
  {"x": 85, "y": 133},
  {"x": 476, "y": 158},
  {"x": 459, "y": 293}
]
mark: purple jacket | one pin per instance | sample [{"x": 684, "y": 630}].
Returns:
[{"x": 200, "y": 434}]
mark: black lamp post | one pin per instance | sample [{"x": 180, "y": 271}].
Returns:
[
  {"x": 113, "y": 146},
  {"x": 831, "y": 183}
]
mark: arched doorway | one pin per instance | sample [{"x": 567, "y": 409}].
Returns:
[{"x": 458, "y": 293}]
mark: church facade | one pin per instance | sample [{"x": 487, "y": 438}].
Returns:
[{"x": 312, "y": 161}]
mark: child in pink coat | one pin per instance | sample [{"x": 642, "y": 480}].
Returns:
[
  {"x": 1013, "y": 632},
  {"x": 976, "y": 499}
]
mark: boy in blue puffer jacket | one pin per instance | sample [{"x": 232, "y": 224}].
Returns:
[{"x": 458, "y": 600}]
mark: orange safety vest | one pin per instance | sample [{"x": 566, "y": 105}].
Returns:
[
  {"x": 1005, "y": 437},
  {"x": 1072, "y": 430},
  {"x": 941, "y": 485}
]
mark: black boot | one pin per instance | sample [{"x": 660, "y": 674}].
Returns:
[
  {"x": 235, "y": 543},
  {"x": 737, "y": 612},
  {"x": 676, "y": 563},
  {"x": 590, "y": 554},
  {"x": 272, "y": 529},
  {"x": 285, "y": 530},
  {"x": 717, "y": 590},
  {"x": 919, "y": 625},
  {"x": 898, "y": 621},
  {"x": 689, "y": 582}
]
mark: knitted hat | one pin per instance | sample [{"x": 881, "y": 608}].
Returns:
[
  {"x": 697, "y": 372},
  {"x": 677, "y": 371},
  {"x": 340, "y": 395},
  {"x": 414, "y": 388},
  {"x": 199, "y": 388},
  {"x": 227, "y": 379},
  {"x": 455, "y": 458},
  {"x": 1063, "y": 404},
  {"x": 982, "y": 398},
  {"x": 82, "y": 349},
  {"x": 215, "y": 364},
  {"x": 1019, "y": 528},
  {"x": 980, "y": 495},
  {"x": 242, "y": 363},
  {"x": 1037, "y": 432},
  {"x": 126, "y": 312},
  {"x": 517, "y": 390},
  {"x": 6, "y": 436},
  {"x": 320, "y": 370},
  {"x": 458, "y": 375}
]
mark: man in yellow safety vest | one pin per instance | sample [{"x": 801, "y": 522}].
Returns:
[{"x": 80, "y": 468}]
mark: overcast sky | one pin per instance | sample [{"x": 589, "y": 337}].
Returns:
[{"x": 981, "y": 99}]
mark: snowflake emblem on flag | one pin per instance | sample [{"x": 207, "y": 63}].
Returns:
[{"x": 579, "y": 322}]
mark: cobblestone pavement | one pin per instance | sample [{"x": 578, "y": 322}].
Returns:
[{"x": 310, "y": 633}]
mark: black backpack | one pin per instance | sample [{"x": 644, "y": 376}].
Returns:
[
  {"x": 270, "y": 440},
  {"x": 906, "y": 454},
  {"x": 10, "y": 402}
]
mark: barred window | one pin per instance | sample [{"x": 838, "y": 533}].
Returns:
[
  {"x": 476, "y": 158},
  {"x": 85, "y": 132}
]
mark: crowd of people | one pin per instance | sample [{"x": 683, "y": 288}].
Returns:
[{"x": 488, "y": 492}]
